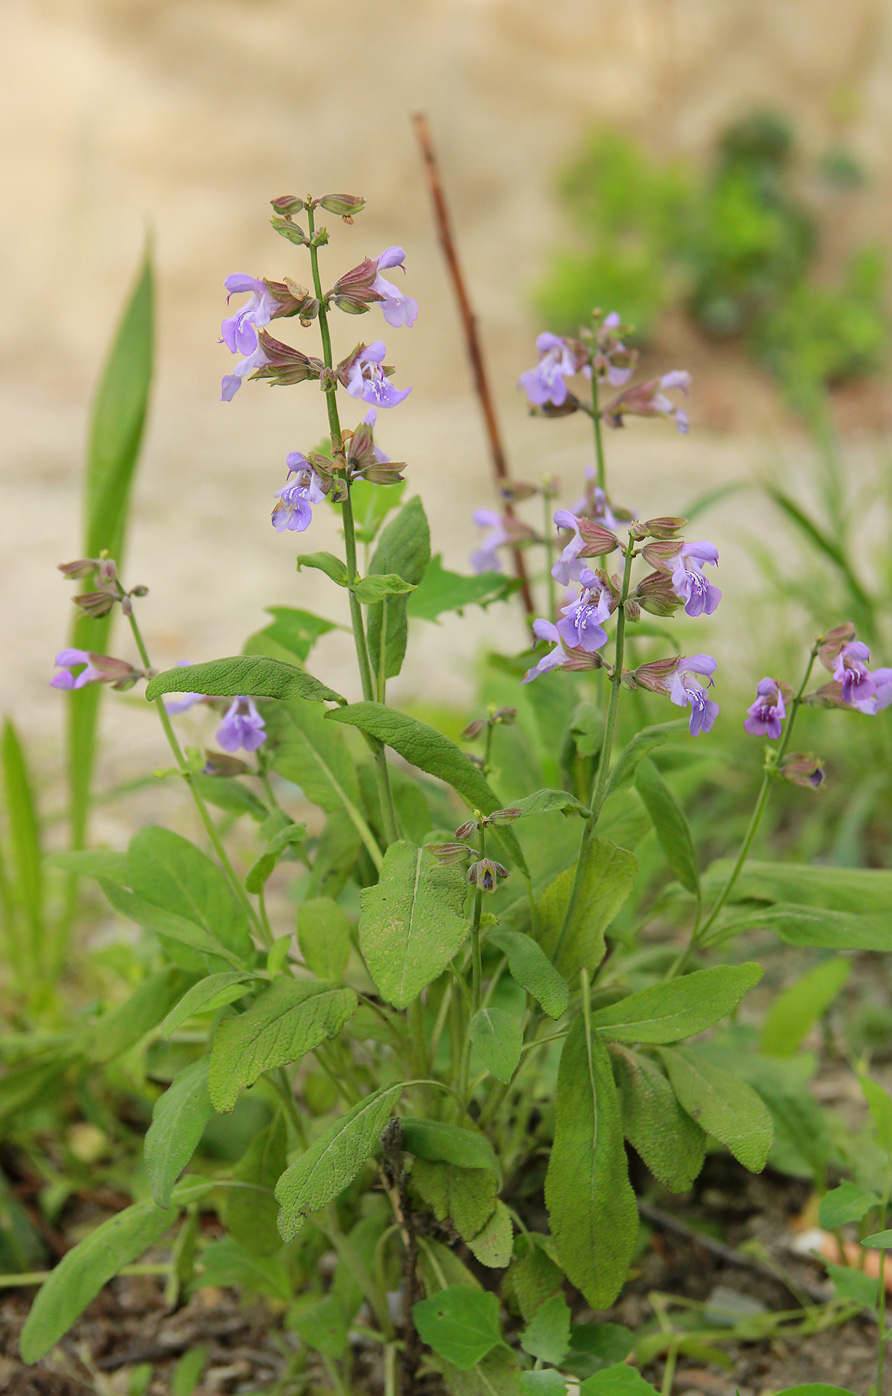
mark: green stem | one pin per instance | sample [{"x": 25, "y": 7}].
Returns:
[
  {"x": 283, "y": 1089},
  {"x": 548, "y": 534},
  {"x": 599, "y": 792},
  {"x": 210, "y": 828},
  {"x": 599, "y": 443},
  {"x": 476, "y": 974},
  {"x": 388, "y": 812},
  {"x": 881, "y": 1307}
]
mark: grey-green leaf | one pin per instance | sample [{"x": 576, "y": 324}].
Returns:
[
  {"x": 167, "y": 923},
  {"x": 252, "y": 1215},
  {"x": 681, "y": 1008},
  {"x": 207, "y": 996},
  {"x": 248, "y": 675},
  {"x": 860, "y": 890},
  {"x": 550, "y": 802},
  {"x": 170, "y": 872},
  {"x": 493, "y": 1245},
  {"x": 531, "y": 968},
  {"x": 460, "y": 1324},
  {"x": 178, "y": 1121},
  {"x": 323, "y": 934},
  {"x": 412, "y": 922},
  {"x": 116, "y": 1031},
  {"x": 263, "y": 868},
  {"x": 591, "y": 1205},
  {"x": 844, "y": 1204},
  {"x": 310, "y": 752},
  {"x": 332, "y": 566},
  {"x": 609, "y": 878},
  {"x": 670, "y": 824},
  {"x": 285, "y": 1022},
  {"x": 404, "y": 549},
  {"x": 672, "y": 1145},
  {"x": 639, "y": 747},
  {"x": 722, "y": 1104},
  {"x": 498, "y": 1040},
  {"x": 437, "y": 1141},
  {"x": 374, "y": 588},
  {"x": 333, "y": 1160},
  {"x": 795, "y": 1011},
  {"x": 547, "y": 1335}
]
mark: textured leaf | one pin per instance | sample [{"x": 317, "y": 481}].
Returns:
[
  {"x": 681, "y": 1008},
  {"x": 548, "y": 802},
  {"x": 438, "y": 1141},
  {"x": 547, "y": 1382},
  {"x": 467, "y": 1196},
  {"x": 226, "y": 1264},
  {"x": 207, "y": 996},
  {"x": 323, "y": 934},
  {"x": 371, "y": 505},
  {"x": 795, "y": 1011},
  {"x": 83, "y": 1271},
  {"x": 285, "y": 1022},
  {"x": 594, "y": 1346},
  {"x": 494, "y": 1243},
  {"x": 313, "y": 754},
  {"x": 497, "y": 1374},
  {"x": 639, "y": 747},
  {"x": 333, "y": 1160},
  {"x": 530, "y": 967},
  {"x": 245, "y": 675},
  {"x": 460, "y": 1324},
  {"x": 440, "y": 591},
  {"x": 670, "y": 824},
  {"x": 430, "y": 751},
  {"x": 412, "y": 922},
  {"x": 861, "y": 890},
  {"x": 497, "y": 1039},
  {"x": 291, "y": 636},
  {"x": 332, "y": 566},
  {"x": 170, "y": 872},
  {"x": 591, "y": 1205},
  {"x": 621, "y": 1380},
  {"x": 722, "y": 1104},
  {"x": 880, "y": 1106},
  {"x": 844, "y": 1204},
  {"x": 810, "y": 927},
  {"x": 116, "y": 1031},
  {"x": 547, "y": 1335},
  {"x": 404, "y": 548},
  {"x": 320, "y": 1324},
  {"x": 374, "y": 589},
  {"x": 252, "y": 1216},
  {"x": 24, "y": 832},
  {"x": 609, "y": 878},
  {"x": 533, "y": 1276},
  {"x": 166, "y": 923},
  {"x": 178, "y": 1122},
  {"x": 262, "y": 869},
  {"x": 671, "y": 1144}
]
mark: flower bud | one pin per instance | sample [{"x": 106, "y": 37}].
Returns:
[
  {"x": 661, "y": 553},
  {"x": 632, "y": 609},
  {"x": 287, "y": 205},
  {"x": 656, "y": 595},
  {"x": 82, "y": 567},
  {"x": 217, "y": 763},
  {"x": 346, "y": 206},
  {"x": 597, "y": 540},
  {"x": 516, "y": 490},
  {"x": 665, "y": 527},
  {"x": 485, "y": 874},
  {"x": 656, "y": 674},
  {"x": 831, "y": 643},
  {"x": 802, "y": 768},
  {"x": 139, "y": 590},
  {"x": 292, "y": 299},
  {"x": 283, "y": 365},
  {"x": 474, "y": 729},
  {"x": 108, "y": 571},
  {"x": 828, "y": 696},
  {"x": 505, "y": 715},
  {"x": 290, "y": 231},
  {"x": 96, "y": 603},
  {"x": 505, "y": 816},
  {"x": 569, "y": 405},
  {"x": 464, "y": 831},
  {"x": 448, "y": 854}
]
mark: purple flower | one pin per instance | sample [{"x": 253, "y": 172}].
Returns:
[
  {"x": 589, "y": 540},
  {"x": 485, "y": 558},
  {"x": 617, "y": 374},
  {"x": 233, "y": 381},
  {"x": 545, "y": 383},
  {"x": 768, "y": 711},
  {"x": 367, "y": 378},
  {"x": 581, "y": 627},
  {"x": 369, "y": 420},
  {"x": 688, "y": 582},
  {"x": 240, "y": 330},
  {"x": 851, "y": 671},
  {"x": 68, "y": 660},
  {"x": 294, "y": 509},
  {"x": 547, "y": 630},
  {"x": 242, "y": 726},
  {"x": 396, "y": 308},
  {"x": 685, "y": 690},
  {"x": 649, "y": 400}
]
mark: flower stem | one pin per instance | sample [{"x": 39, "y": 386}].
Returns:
[
  {"x": 388, "y": 812},
  {"x": 210, "y": 829},
  {"x": 548, "y": 534},
  {"x": 599, "y": 443},
  {"x": 599, "y": 792}
]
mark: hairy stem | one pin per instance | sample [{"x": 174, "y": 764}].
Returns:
[{"x": 599, "y": 441}]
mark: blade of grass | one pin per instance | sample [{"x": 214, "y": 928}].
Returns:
[
  {"x": 26, "y": 951},
  {"x": 819, "y": 539}
]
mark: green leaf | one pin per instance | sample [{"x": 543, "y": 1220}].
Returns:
[
  {"x": 861, "y": 890},
  {"x": 333, "y": 1160},
  {"x": 591, "y": 1205},
  {"x": 169, "y": 872},
  {"x": 494, "y": 1242},
  {"x": 810, "y": 927},
  {"x": 225, "y": 1264},
  {"x": 879, "y": 1241},
  {"x": 531, "y": 968},
  {"x": 795, "y": 1011},
  {"x": 439, "y": 1142},
  {"x": 465, "y": 1196},
  {"x": 93, "y": 862},
  {"x": 228, "y": 794},
  {"x": 24, "y": 831},
  {"x": 245, "y": 675},
  {"x": 844, "y": 1204},
  {"x": 670, "y": 824},
  {"x": 118, "y": 1030},
  {"x": 497, "y": 1039},
  {"x": 880, "y": 1106},
  {"x": 323, "y": 934},
  {"x": 671, "y": 1144},
  {"x": 313, "y": 754},
  {"x": 412, "y": 922},
  {"x": 178, "y": 1122},
  {"x": 609, "y": 878},
  {"x": 621, "y": 1380},
  {"x": 371, "y": 505},
  {"x": 497, "y": 1374},
  {"x": 548, "y": 801},
  {"x": 594, "y": 1346},
  {"x": 320, "y": 1324},
  {"x": 404, "y": 549},
  {"x": 251, "y": 1215},
  {"x": 639, "y": 747},
  {"x": 377, "y": 588},
  {"x": 853, "y": 1284},
  {"x": 187, "y": 1373},
  {"x": 332, "y": 566},
  {"x": 263, "y": 868},
  {"x": 460, "y": 1324},
  {"x": 681, "y": 1008},
  {"x": 285, "y": 1022},
  {"x": 722, "y": 1104},
  {"x": 533, "y": 1276},
  {"x": 430, "y": 751},
  {"x": 292, "y": 634},
  {"x": 547, "y": 1382},
  {"x": 440, "y": 591},
  {"x": 117, "y": 421},
  {"x": 83, "y": 1271},
  {"x": 816, "y": 1388},
  {"x": 547, "y": 1335},
  {"x": 824, "y": 544},
  {"x": 166, "y": 923}
]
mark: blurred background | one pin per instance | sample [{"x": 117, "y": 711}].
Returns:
[{"x": 716, "y": 170}]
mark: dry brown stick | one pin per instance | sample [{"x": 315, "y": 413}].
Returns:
[{"x": 472, "y": 341}]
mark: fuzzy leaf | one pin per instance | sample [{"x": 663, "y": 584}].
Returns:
[
  {"x": 547, "y": 1335},
  {"x": 795, "y": 1011},
  {"x": 263, "y": 868},
  {"x": 291, "y": 636},
  {"x": 722, "y": 1104},
  {"x": 531, "y": 968},
  {"x": 245, "y": 675},
  {"x": 681, "y": 1008},
  {"x": 466, "y": 1196},
  {"x": 116, "y": 1031},
  {"x": 171, "y": 873},
  {"x": 460, "y": 1324},
  {"x": 670, "y": 824},
  {"x": 251, "y": 1216},
  {"x": 494, "y": 1242},
  {"x": 323, "y": 934},
  {"x": 207, "y": 996},
  {"x": 313, "y": 754},
  {"x": 671, "y": 1144},
  {"x": 639, "y": 747},
  {"x": 332, "y": 566},
  {"x": 440, "y": 591},
  {"x": 285, "y": 1022},
  {"x": 178, "y": 1122},
  {"x": 591, "y": 1205},
  {"x": 404, "y": 549},
  {"x": 377, "y": 588},
  {"x": 412, "y": 922},
  {"x": 438, "y": 1141},
  {"x": 548, "y": 802},
  {"x": 498, "y": 1040},
  {"x": 609, "y": 878}
]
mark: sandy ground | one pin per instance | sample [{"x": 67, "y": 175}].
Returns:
[{"x": 188, "y": 116}]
